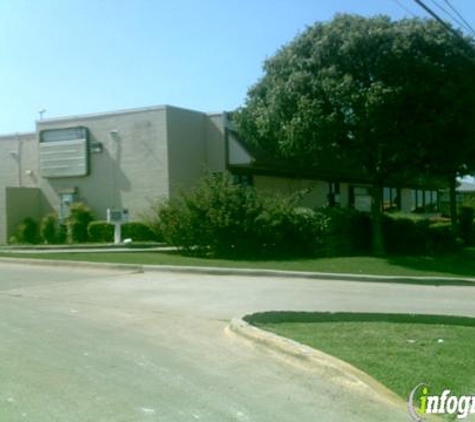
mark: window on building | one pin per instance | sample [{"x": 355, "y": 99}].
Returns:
[
  {"x": 425, "y": 200},
  {"x": 432, "y": 201},
  {"x": 333, "y": 194},
  {"x": 66, "y": 199},
  {"x": 391, "y": 199},
  {"x": 360, "y": 198}
]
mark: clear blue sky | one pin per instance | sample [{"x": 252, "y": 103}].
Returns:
[{"x": 84, "y": 56}]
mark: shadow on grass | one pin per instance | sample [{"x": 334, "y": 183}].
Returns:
[
  {"x": 279, "y": 317},
  {"x": 461, "y": 263}
]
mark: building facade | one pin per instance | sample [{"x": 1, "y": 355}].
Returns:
[{"x": 129, "y": 159}]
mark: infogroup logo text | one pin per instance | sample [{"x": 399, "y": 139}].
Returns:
[{"x": 444, "y": 403}]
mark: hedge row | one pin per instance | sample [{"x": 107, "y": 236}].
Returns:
[
  {"x": 80, "y": 227},
  {"x": 102, "y": 231},
  {"x": 221, "y": 219},
  {"x": 350, "y": 233}
]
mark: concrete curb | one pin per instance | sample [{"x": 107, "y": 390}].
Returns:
[
  {"x": 303, "y": 274},
  {"x": 327, "y": 366},
  {"x": 240, "y": 271},
  {"x": 72, "y": 264}
]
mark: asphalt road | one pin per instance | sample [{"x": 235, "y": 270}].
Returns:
[{"x": 91, "y": 345}]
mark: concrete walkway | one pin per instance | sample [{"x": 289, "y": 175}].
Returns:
[
  {"x": 107, "y": 345},
  {"x": 85, "y": 249}
]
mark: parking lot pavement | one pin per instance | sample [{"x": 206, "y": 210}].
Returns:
[{"x": 95, "y": 345}]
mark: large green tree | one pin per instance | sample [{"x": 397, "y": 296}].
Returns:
[{"x": 394, "y": 98}]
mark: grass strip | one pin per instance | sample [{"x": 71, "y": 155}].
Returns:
[
  {"x": 461, "y": 264},
  {"x": 400, "y": 351}
]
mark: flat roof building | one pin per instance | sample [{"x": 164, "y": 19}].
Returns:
[
  {"x": 124, "y": 159},
  {"x": 128, "y": 159}
]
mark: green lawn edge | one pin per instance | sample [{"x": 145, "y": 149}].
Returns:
[
  {"x": 461, "y": 265},
  {"x": 399, "y": 350}
]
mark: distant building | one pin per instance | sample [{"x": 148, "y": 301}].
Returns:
[
  {"x": 466, "y": 192},
  {"x": 128, "y": 159}
]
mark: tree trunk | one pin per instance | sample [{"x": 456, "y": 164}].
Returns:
[
  {"x": 377, "y": 219},
  {"x": 453, "y": 202}
]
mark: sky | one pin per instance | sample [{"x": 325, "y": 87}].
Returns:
[{"x": 73, "y": 57}]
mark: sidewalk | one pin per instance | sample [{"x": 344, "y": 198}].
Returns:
[{"x": 137, "y": 247}]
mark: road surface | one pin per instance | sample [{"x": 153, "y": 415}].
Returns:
[{"x": 109, "y": 346}]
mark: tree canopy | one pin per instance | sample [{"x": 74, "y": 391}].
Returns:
[{"x": 397, "y": 98}]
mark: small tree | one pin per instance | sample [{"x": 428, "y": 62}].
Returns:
[
  {"x": 27, "y": 232},
  {"x": 80, "y": 215},
  {"x": 50, "y": 229}
]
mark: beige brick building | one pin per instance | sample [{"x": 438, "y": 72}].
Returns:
[{"x": 128, "y": 159}]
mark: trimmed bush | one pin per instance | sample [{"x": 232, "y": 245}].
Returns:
[
  {"x": 80, "y": 215},
  {"x": 62, "y": 234},
  {"x": 349, "y": 232},
  {"x": 51, "y": 231},
  {"x": 100, "y": 231},
  {"x": 223, "y": 219},
  {"x": 138, "y": 232},
  {"x": 441, "y": 239},
  {"x": 409, "y": 235},
  {"x": 48, "y": 228},
  {"x": 283, "y": 229},
  {"x": 404, "y": 235},
  {"x": 27, "y": 232}
]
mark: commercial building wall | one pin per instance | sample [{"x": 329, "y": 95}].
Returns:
[
  {"x": 21, "y": 203},
  {"x": 135, "y": 157},
  {"x": 187, "y": 160},
  {"x": 215, "y": 142},
  {"x": 16, "y": 163},
  {"x": 129, "y": 168}
]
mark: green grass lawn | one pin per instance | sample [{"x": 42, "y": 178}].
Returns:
[
  {"x": 461, "y": 264},
  {"x": 400, "y": 352}
]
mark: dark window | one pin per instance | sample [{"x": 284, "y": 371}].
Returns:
[
  {"x": 243, "y": 179},
  {"x": 360, "y": 198},
  {"x": 425, "y": 200},
  {"x": 391, "y": 199},
  {"x": 333, "y": 194},
  {"x": 351, "y": 196}
]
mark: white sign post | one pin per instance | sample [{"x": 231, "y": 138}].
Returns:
[{"x": 117, "y": 218}]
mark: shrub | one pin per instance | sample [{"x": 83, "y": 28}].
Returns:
[
  {"x": 27, "y": 232},
  {"x": 441, "y": 239},
  {"x": 48, "y": 228},
  {"x": 139, "y": 232},
  {"x": 62, "y": 234},
  {"x": 209, "y": 218},
  {"x": 408, "y": 235},
  {"x": 404, "y": 235},
  {"x": 100, "y": 231},
  {"x": 224, "y": 219},
  {"x": 349, "y": 232},
  {"x": 80, "y": 215},
  {"x": 51, "y": 231},
  {"x": 283, "y": 229}
]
